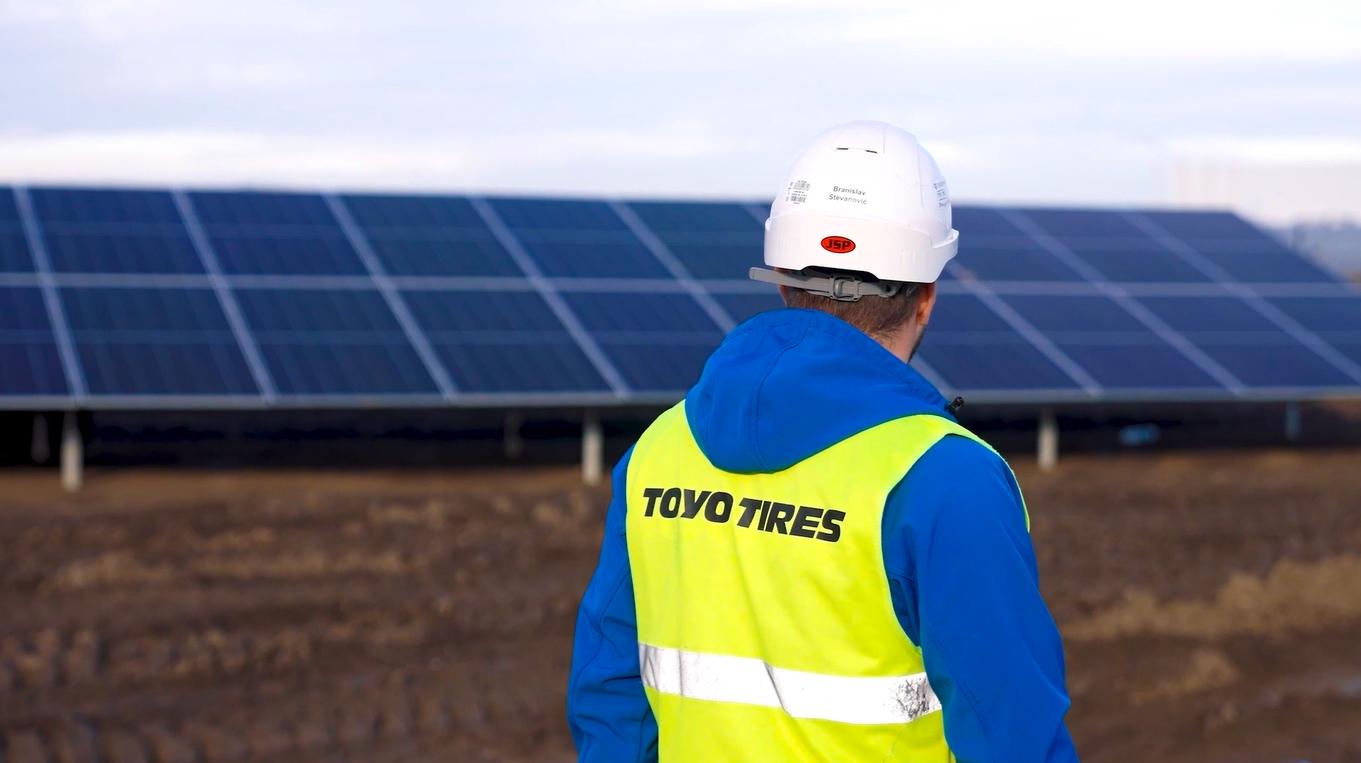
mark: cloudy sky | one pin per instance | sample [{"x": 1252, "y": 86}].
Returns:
[{"x": 1038, "y": 102}]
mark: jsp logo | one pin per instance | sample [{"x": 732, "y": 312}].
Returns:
[{"x": 838, "y": 244}]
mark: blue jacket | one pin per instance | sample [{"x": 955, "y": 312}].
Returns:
[{"x": 783, "y": 386}]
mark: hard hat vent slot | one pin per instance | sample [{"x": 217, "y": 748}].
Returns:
[{"x": 848, "y": 148}]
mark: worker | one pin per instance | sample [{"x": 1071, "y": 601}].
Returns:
[{"x": 808, "y": 558}]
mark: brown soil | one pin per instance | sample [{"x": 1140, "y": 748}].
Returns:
[{"x": 1211, "y": 604}]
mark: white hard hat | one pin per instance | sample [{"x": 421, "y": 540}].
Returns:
[{"x": 865, "y": 196}]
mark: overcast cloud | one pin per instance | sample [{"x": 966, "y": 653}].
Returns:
[{"x": 1038, "y": 102}]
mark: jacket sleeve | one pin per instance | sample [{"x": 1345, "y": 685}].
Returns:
[
  {"x": 607, "y": 711},
  {"x": 965, "y": 586}
]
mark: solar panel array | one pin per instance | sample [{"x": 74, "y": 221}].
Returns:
[{"x": 152, "y": 298}]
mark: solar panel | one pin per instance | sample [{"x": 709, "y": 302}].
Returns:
[
  {"x": 973, "y": 348},
  {"x": 155, "y": 342},
  {"x": 1148, "y": 262},
  {"x": 398, "y": 299},
  {"x": 1082, "y": 224},
  {"x": 329, "y": 342},
  {"x": 984, "y": 223},
  {"x": 744, "y": 306},
  {"x": 578, "y": 239},
  {"x": 1262, "y": 261},
  {"x": 1334, "y": 319},
  {"x": 1247, "y": 343},
  {"x": 712, "y": 240},
  {"x": 256, "y": 233},
  {"x": 429, "y": 236},
  {"x": 659, "y": 342},
  {"x": 1110, "y": 343},
  {"x": 113, "y": 231},
  {"x": 1226, "y": 243},
  {"x": 29, "y": 361},
  {"x": 1009, "y": 260},
  {"x": 14, "y": 256},
  {"x": 503, "y": 342}
]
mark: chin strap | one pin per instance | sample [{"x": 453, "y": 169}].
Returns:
[{"x": 840, "y": 288}]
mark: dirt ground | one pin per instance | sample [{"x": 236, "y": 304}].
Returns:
[{"x": 1211, "y": 604}]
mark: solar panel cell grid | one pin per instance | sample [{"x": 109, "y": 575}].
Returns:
[
  {"x": 1084, "y": 223},
  {"x": 1261, "y": 261},
  {"x": 744, "y": 306},
  {"x": 578, "y": 239},
  {"x": 1110, "y": 343},
  {"x": 29, "y": 362},
  {"x": 1009, "y": 260},
  {"x": 1147, "y": 263},
  {"x": 254, "y": 208},
  {"x": 688, "y": 217},
  {"x": 984, "y": 222},
  {"x": 143, "y": 341},
  {"x": 14, "y": 256},
  {"x": 999, "y": 363},
  {"x": 111, "y": 206},
  {"x": 1335, "y": 320},
  {"x": 1204, "y": 225},
  {"x": 379, "y": 212},
  {"x": 557, "y": 215},
  {"x": 711, "y": 240},
  {"x": 1247, "y": 343},
  {"x": 658, "y": 342},
  {"x": 275, "y": 234},
  {"x": 429, "y": 236},
  {"x": 114, "y": 231},
  {"x": 973, "y": 348},
  {"x": 327, "y": 342},
  {"x": 503, "y": 342}
]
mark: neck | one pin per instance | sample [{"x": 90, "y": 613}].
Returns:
[{"x": 901, "y": 344}]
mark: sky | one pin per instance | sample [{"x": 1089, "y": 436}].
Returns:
[{"x": 1043, "y": 102}]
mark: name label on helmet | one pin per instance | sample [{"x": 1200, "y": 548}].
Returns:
[{"x": 838, "y": 244}]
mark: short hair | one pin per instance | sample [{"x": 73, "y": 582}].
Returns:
[{"x": 877, "y": 316}]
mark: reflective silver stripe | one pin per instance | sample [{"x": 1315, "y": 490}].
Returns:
[{"x": 747, "y": 680}]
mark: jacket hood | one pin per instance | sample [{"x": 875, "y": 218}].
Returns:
[{"x": 789, "y": 383}]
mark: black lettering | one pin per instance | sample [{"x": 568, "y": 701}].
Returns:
[
  {"x": 651, "y": 494},
  {"x": 719, "y": 507},
  {"x": 778, "y": 518},
  {"x": 671, "y": 502},
  {"x": 806, "y": 522},
  {"x": 693, "y": 502},
  {"x": 831, "y": 525},
  {"x": 749, "y": 507}
]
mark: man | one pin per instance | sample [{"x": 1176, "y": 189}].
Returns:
[{"x": 808, "y": 559}]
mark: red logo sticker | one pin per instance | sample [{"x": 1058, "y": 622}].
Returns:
[{"x": 838, "y": 244}]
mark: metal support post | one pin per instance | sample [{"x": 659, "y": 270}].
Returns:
[
  {"x": 72, "y": 452},
  {"x": 1294, "y": 425},
  {"x": 592, "y": 445},
  {"x": 1047, "y": 442},
  {"x": 40, "y": 449},
  {"x": 512, "y": 444}
]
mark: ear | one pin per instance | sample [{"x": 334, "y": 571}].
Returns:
[{"x": 926, "y": 302}]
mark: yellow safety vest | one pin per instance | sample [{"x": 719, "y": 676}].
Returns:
[{"x": 766, "y": 631}]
